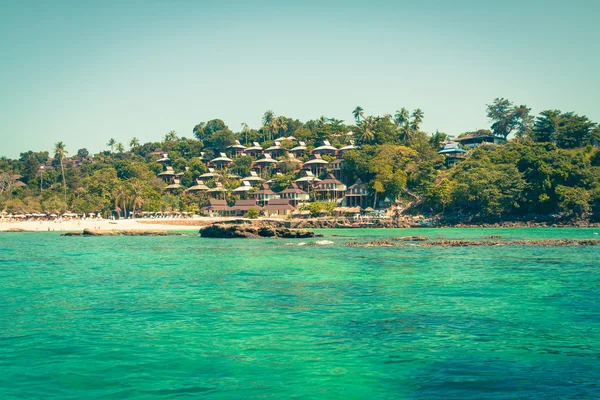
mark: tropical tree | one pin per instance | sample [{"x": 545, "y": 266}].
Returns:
[
  {"x": 402, "y": 121},
  {"x": 506, "y": 117},
  {"x": 171, "y": 136},
  {"x": 120, "y": 148},
  {"x": 134, "y": 142},
  {"x": 111, "y": 143},
  {"x": 366, "y": 130},
  {"x": 245, "y": 130},
  {"x": 279, "y": 124},
  {"x": 358, "y": 113},
  {"x": 417, "y": 118},
  {"x": 267, "y": 120},
  {"x": 60, "y": 152}
]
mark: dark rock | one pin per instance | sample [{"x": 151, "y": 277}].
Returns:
[
  {"x": 228, "y": 231},
  {"x": 72, "y": 234}
]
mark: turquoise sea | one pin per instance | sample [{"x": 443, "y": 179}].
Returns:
[{"x": 187, "y": 317}]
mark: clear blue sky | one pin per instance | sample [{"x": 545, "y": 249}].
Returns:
[{"x": 83, "y": 72}]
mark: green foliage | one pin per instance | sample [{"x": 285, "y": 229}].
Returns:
[
  {"x": 252, "y": 213},
  {"x": 317, "y": 207}
]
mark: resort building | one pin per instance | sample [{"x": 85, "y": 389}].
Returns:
[
  {"x": 265, "y": 194},
  {"x": 216, "y": 207},
  {"x": 236, "y": 149},
  {"x": 241, "y": 207},
  {"x": 471, "y": 141},
  {"x": 255, "y": 150},
  {"x": 253, "y": 178},
  {"x": 335, "y": 167},
  {"x": 218, "y": 192},
  {"x": 330, "y": 189},
  {"x": 168, "y": 174},
  {"x": 204, "y": 157},
  {"x": 175, "y": 185},
  {"x": 276, "y": 150},
  {"x": 307, "y": 180},
  {"x": 316, "y": 164},
  {"x": 264, "y": 163},
  {"x": 356, "y": 195},
  {"x": 299, "y": 150},
  {"x": 294, "y": 195},
  {"x": 325, "y": 148},
  {"x": 243, "y": 189},
  {"x": 164, "y": 159},
  {"x": 222, "y": 161},
  {"x": 207, "y": 176},
  {"x": 278, "y": 207},
  {"x": 198, "y": 187},
  {"x": 350, "y": 146},
  {"x": 453, "y": 153}
]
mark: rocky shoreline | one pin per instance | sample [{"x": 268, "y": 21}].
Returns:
[
  {"x": 402, "y": 242},
  {"x": 250, "y": 231}
]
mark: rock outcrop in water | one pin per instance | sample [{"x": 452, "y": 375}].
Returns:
[
  {"x": 230, "y": 231},
  {"x": 398, "y": 242}
]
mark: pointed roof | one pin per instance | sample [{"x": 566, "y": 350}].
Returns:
[
  {"x": 198, "y": 187},
  {"x": 325, "y": 146},
  {"x": 255, "y": 146},
  {"x": 245, "y": 205},
  {"x": 244, "y": 187},
  {"x": 279, "y": 204},
  {"x": 222, "y": 157},
  {"x": 451, "y": 148},
  {"x": 316, "y": 159},
  {"x": 293, "y": 188},
  {"x": 169, "y": 171},
  {"x": 264, "y": 189},
  {"x": 331, "y": 179},
  {"x": 350, "y": 146},
  {"x": 308, "y": 177},
  {"x": 266, "y": 160},
  {"x": 210, "y": 174},
  {"x": 301, "y": 147},
  {"x": 253, "y": 177},
  {"x": 216, "y": 205},
  {"x": 237, "y": 145},
  {"x": 276, "y": 146},
  {"x": 358, "y": 185}
]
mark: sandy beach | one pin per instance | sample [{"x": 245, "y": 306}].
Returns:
[{"x": 124, "y": 224}]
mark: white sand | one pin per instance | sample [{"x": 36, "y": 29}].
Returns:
[{"x": 78, "y": 225}]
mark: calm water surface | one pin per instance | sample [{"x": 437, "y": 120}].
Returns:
[{"x": 186, "y": 317}]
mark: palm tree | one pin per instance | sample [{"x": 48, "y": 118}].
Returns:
[
  {"x": 137, "y": 199},
  {"x": 120, "y": 148},
  {"x": 245, "y": 130},
  {"x": 171, "y": 136},
  {"x": 268, "y": 118},
  {"x": 401, "y": 117},
  {"x": 279, "y": 124},
  {"x": 402, "y": 121},
  {"x": 120, "y": 195},
  {"x": 60, "y": 152},
  {"x": 366, "y": 128},
  {"x": 134, "y": 142},
  {"x": 358, "y": 113},
  {"x": 111, "y": 143},
  {"x": 417, "y": 117}
]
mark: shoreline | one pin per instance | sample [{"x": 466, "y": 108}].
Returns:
[{"x": 194, "y": 224}]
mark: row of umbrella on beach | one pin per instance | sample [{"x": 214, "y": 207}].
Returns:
[{"x": 4, "y": 214}]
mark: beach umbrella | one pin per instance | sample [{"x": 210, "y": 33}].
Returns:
[{"x": 53, "y": 215}]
